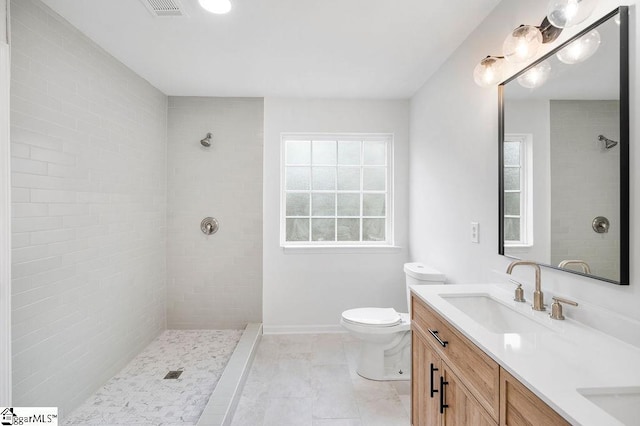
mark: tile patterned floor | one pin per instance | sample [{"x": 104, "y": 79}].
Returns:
[
  {"x": 139, "y": 396},
  {"x": 310, "y": 380}
]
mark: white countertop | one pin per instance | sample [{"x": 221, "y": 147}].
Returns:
[{"x": 553, "y": 363}]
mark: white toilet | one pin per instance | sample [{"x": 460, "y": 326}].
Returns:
[{"x": 385, "y": 334}]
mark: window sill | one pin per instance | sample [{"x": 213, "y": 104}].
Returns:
[
  {"x": 340, "y": 249},
  {"x": 518, "y": 247}
]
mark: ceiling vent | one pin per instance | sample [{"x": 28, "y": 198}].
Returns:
[{"x": 164, "y": 8}]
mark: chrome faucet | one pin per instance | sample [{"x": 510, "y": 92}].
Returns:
[{"x": 538, "y": 297}]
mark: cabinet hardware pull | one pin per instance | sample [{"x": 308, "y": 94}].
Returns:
[
  {"x": 442, "y": 404},
  {"x": 434, "y": 333},
  {"x": 433, "y": 368}
]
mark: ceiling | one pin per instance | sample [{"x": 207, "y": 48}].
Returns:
[{"x": 286, "y": 48}]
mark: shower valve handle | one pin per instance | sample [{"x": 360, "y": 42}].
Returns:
[{"x": 209, "y": 225}]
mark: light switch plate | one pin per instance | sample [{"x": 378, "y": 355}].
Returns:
[{"x": 475, "y": 232}]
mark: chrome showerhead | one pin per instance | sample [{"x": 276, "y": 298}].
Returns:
[
  {"x": 608, "y": 143},
  {"x": 206, "y": 142}
]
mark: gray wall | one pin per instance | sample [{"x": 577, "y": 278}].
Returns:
[
  {"x": 214, "y": 281},
  {"x": 585, "y": 184},
  {"x": 88, "y": 162}
]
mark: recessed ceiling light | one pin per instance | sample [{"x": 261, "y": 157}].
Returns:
[{"x": 216, "y": 6}]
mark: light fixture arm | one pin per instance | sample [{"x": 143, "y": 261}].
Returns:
[{"x": 549, "y": 32}]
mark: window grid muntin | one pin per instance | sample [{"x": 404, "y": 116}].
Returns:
[{"x": 387, "y": 229}]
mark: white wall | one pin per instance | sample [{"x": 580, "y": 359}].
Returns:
[
  {"x": 214, "y": 281},
  {"x": 454, "y": 160},
  {"x": 310, "y": 290},
  {"x": 88, "y": 162}
]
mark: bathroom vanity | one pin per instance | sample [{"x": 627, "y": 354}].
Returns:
[{"x": 480, "y": 358}]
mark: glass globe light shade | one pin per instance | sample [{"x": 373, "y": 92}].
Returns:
[
  {"x": 489, "y": 71},
  {"x": 581, "y": 49},
  {"x": 567, "y": 13},
  {"x": 216, "y": 6},
  {"x": 522, "y": 44},
  {"x": 536, "y": 76}
]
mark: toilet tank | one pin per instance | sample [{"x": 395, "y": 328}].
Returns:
[{"x": 420, "y": 274}]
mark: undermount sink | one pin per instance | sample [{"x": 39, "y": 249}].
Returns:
[
  {"x": 493, "y": 315},
  {"x": 622, "y": 403}
]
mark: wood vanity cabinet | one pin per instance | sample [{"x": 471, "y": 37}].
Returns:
[{"x": 456, "y": 383}]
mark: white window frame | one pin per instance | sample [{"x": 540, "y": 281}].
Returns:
[
  {"x": 526, "y": 189},
  {"x": 389, "y": 204}
]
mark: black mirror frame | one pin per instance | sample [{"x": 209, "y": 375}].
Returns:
[{"x": 624, "y": 144}]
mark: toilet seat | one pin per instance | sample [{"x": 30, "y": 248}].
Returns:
[{"x": 374, "y": 317}]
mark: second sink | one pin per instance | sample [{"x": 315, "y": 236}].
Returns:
[{"x": 621, "y": 403}]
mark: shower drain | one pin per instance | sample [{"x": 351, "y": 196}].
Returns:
[{"x": 173, "y": 374}]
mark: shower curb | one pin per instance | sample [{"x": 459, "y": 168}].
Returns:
[{"x": 224, "y": 399}]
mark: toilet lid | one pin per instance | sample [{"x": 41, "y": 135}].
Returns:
[{"x": 373, "y": 316}]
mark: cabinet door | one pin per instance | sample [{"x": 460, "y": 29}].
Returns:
[
  {"x": 461, "y": 408},
  {"x": 425, "y": 382},
  {"x": 521, "y": 407}
]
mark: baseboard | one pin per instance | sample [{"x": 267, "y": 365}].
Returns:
[{"x": 303, "y": 329}]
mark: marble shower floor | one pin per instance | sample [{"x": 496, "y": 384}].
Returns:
[
  {"x": 310, "y": 380},
  {"x": 139, "y": 396}
]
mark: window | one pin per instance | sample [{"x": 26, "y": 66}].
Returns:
[
  {"x": 336, "y": 190},
  {"x": 518, "y": 229}
]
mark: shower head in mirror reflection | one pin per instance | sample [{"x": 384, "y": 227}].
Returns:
[
  {"x": 606, "y": 142},
  {"x": 206, "y": 141}
]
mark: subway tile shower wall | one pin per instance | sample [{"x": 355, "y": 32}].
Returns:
[
  {"x": 89, "y": 204},
  {"x": 214, "y": 281}
]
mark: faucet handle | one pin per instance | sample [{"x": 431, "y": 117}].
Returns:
[
  {"x": 519, "y": 294},
  {"x": 556, "y": 307}
]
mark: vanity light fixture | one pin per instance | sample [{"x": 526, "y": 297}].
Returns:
[
  {"x": 567, "y": 13},
  {"x": 581, "y": 49},
  {"x": 216, "y": 6},
  {"x": 520, "y": 45},
  {"x": 490, "y": 71},
  {"x": 536, "y": 76},
  {"x": 523, "y": 43}
]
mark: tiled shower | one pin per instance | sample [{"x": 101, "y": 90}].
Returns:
[{"x": 109, "y": 187}]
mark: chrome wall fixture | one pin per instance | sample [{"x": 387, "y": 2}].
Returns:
[
  {"x": 206, "y": 141},
  {"x": 600, "y": 225},
  {"x": 209, "y": 225},
  {"x": 606, "y": 142},
  {"x": 523, "y": 43}
]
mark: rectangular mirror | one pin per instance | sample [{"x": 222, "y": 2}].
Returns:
[{"x": 564, "y": 155}]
